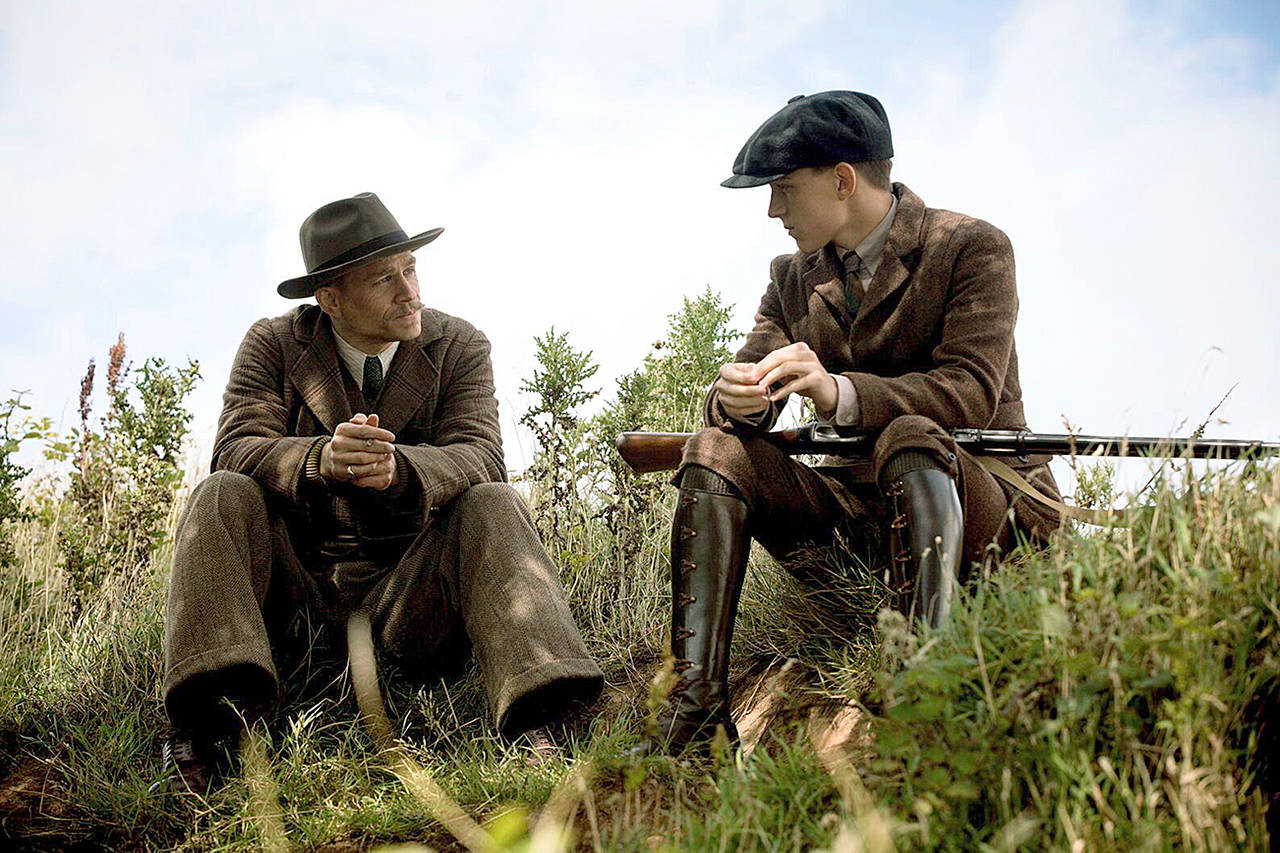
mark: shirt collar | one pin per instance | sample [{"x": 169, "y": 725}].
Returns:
[
  {"x": 872, "y": 245},
  {"x": 354, "y": 358}
]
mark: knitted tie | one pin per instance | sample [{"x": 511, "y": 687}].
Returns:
[
  {"x": 372, "y": 379},
  {"x": 852, "y": 282}
]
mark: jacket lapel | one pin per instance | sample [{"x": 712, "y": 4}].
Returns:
[
  {"x": 903, "y": 240},
  {"x": 316, "y": 373},
  {"x": 824, "y": 273},
  {"x": 412, "y": 379}
]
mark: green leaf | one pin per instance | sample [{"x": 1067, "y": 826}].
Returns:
[{"x": 919, "y": 711}]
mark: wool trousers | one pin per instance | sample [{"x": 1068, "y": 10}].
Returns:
[
  {"x": 794, "y": 507},
  {"x": 476, "y": 577}
]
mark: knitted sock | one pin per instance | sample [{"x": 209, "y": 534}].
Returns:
[
  {"x": 905, "y": 462},
  {"x": 706, "y": 480}
]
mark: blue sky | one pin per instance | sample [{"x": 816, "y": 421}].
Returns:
[{"x": 159, "y": 159}]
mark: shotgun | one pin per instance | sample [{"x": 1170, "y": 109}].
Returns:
[{"x": 661, "y": 451}]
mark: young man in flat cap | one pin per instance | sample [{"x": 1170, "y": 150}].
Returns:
[
  {"x": 358, "y": 465},
  {"x": 891, "y": 317}
]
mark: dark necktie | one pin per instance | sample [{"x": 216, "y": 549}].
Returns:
[
  {"x": 372, "y": 378},
  {"x": 852, "y": 282}
]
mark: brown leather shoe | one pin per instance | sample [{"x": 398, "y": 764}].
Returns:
[{"x": 193, "y": 764}]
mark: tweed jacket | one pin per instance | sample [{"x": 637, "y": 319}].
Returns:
[
  {"x": 287, "y": 392},
  {"x": 933, "y": 334}
]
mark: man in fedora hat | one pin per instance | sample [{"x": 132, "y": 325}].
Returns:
[
  {"x": 358, "y": 465},
  {"x": 891, "y": 317}
]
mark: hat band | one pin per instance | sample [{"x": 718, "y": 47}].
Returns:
[{"x": 365, "y": 248}]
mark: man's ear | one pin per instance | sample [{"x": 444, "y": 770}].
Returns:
[
  {"x": 327, "y": 298},
  {"x": 846, "y": 180}
]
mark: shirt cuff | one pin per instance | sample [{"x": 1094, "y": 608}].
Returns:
[{"x": 846, "y": 413}]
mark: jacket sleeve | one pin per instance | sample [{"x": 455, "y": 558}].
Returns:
[
  {"x": 252, "y": 437},
  {"x": 467, "y": 446},
  {"x": 769, "y": 333},
  {"x": 962, "y": 388}
]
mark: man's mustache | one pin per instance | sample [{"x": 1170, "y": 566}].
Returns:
[{"x": 412, "y": 308}]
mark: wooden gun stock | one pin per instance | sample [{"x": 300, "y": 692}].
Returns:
[{"x": 646, "y": 452}]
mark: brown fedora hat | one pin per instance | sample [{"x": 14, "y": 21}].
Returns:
[{"x": 343, "y": 235}]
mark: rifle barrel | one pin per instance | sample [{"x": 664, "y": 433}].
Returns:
[
  {"x": 659, "y": 451},
  {"x": 1019, "y": 443}
]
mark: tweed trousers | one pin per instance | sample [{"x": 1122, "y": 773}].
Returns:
[
  {"x": 794, "y": 506},
  {"x": 476, "y": 576}
]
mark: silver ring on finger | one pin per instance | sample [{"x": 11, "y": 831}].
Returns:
[
  {"x": 368, "y": 442},
  {"x": 350, "y": 473}
]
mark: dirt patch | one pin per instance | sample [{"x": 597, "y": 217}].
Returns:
[
  {"x": 30, "y": 792},
  {"x": 31, "y": 804},
  {"x": 770, "y": 698}
]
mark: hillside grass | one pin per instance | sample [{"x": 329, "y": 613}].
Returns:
[{"x": 1105, "y": 693}]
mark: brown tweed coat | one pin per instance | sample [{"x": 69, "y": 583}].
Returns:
[
  {"x": 286, "y": 391},
  {"x": 933, "y": 335}
]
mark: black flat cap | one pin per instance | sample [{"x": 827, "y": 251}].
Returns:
[{"x": 814, "y": 130}]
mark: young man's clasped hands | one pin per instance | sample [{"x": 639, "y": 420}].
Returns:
[{"x": 747, "y": 389}]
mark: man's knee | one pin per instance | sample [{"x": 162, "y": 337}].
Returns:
[
  {"x": 489, "y": 500},
  {"x": 906, "y": 431},
  {"x": 737, "y": 459},
  {"x": 913, "y": 441},
  {"x": 227, "y": 488},
  {"x": 716, "y": 450},
  {"x": 226, "y": 495}
]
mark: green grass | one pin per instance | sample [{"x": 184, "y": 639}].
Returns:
[{"x": 1101, "y": 694}]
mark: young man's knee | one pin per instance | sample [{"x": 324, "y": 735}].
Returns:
[
  {"x": 911, "y": 442},
  {"x": 725, "y": 454}
]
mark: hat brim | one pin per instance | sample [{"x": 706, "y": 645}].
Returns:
[
  {"x": 741, "y": 181},
  {"x": 304, "y": 286}
]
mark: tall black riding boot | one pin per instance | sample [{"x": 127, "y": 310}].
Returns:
[
  {"x": 927, "y": 533},
  {"x": 709, "y": 549}
]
